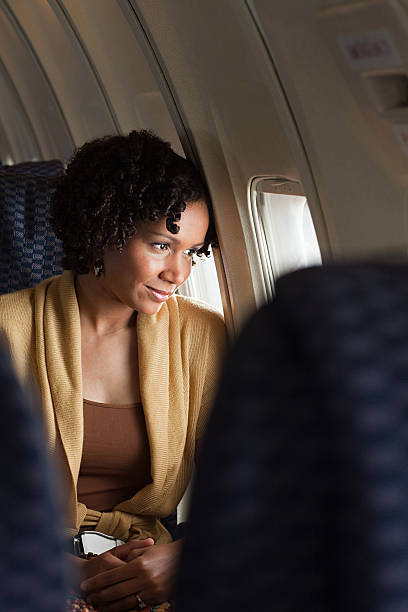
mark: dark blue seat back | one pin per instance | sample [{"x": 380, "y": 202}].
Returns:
[
  {"x": 301, "y": 498},
  {"x": 52, "y": 167},
  {"x": 29, "y": 249}
]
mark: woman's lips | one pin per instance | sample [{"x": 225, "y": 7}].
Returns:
[{"x": 159, "y": 296}]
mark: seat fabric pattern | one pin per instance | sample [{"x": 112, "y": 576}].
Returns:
[
  {"x": 31, "y": 564},
  {"x": 301, "y": 497},
  {"x": 52, "y": 167},
  {"x": 29, "y": 249}
]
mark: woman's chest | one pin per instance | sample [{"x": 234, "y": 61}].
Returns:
[{"x": 110, "y": 368}]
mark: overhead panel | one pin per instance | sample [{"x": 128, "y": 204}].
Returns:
[
  {"x": 111, "y": 33},
  {"x": 67, "y": 68},
  {"x": 342, "y": 66},
  {"x": 368, "y": 42},
  {"x": 31, "y": 118}
]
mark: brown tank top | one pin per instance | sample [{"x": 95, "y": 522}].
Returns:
[{"x": 115, "y": 459}]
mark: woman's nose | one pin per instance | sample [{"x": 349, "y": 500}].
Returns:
[{"x": 177, "y": 269}]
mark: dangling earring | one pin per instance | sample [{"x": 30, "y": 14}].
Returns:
[{"x": 98, "y": 268}]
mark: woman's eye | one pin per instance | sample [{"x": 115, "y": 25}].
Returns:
[
  {"x": 160, "y": 246},
  {"x": 190, "y": 252}
]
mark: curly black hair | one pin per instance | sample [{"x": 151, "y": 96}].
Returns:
[{"x": 114, "y": 183}]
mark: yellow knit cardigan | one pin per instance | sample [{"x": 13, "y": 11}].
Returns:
[{"x": 180, "y": 350}]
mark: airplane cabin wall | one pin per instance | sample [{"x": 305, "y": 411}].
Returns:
[
  {"x": 247, "y": 88},
  {"x": 359, "y": 165},
  {"x": 232, "y": 103}
]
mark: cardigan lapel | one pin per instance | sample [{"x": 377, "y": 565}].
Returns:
[
  {"x": 153, "y": 351},
  {"x": 162, "y": 396},
  {"x": 59, "y": 345}
]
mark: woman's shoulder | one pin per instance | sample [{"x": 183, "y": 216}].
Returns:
[
  {"x": 199, "y": 322},
  {"x": 17, "y": 302},
  {"x": 17, "y": 327},
  {"x": 21, "y": 303},
  {"x": 196, "y": 311}
]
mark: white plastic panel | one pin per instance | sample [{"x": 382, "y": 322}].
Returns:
[
  {"x": 66, "y": 67},
  {"x": 17, "y": 141},
  {"x": 29, "y": 112},
  {"x": 123, "y": 70},
  {"x": 6, "y": 155}
]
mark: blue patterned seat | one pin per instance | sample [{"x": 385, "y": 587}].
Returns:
[
  {"x": 31, "y": 563},
  {"x": 52, "y": 167},
  {"x": 301, "y": 498},
  {"x": 29, "y": 249}
]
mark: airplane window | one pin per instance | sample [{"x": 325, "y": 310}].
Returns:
[
  {"x": 203, "y": 283},
  {"x": 284, "y": 227}
]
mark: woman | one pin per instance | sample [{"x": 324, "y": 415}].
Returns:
[{"x": 126, "y": 369}]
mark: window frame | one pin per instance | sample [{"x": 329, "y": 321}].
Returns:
[{"x": 280, "y": 185}]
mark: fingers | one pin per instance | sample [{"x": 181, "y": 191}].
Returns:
[
  {"x": 134, "y": 554},
  {"x": 107, "y": 561},
  {"x": 122, "y": 551},
  {"x": 121, "y": 596},
  {"x": 108, "y": 578},
  {"x": 149, "y": 573},
  {"x": 99, "y": 563},
  {"x": 127, "y": 604},
  {"x": 118, "y": 587}
]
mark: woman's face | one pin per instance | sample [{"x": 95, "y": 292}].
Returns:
[{"x": 155, "y": 262}]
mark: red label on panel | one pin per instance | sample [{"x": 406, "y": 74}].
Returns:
[{"x": 371, "y": 50}]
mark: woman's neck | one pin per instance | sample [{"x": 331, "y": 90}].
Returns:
[{"x": 99, "y": 310}]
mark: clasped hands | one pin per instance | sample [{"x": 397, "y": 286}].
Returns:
[{"x": 112, "y": 581}]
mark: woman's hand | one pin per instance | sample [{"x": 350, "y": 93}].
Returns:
[
  {"x": 148, "y": 572},
  {"x": 82, "y": 569}
]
